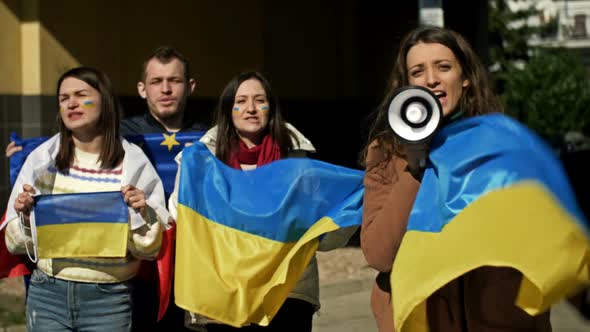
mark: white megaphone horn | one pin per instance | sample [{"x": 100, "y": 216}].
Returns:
[{"x": 414, "y": 115}]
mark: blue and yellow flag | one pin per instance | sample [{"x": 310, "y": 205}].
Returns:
[
  {"x": 492, "y": 195},
  {"x": 81, "y": 225},
  {"x": 245, "y": 237},
  {"x": 159, "y": 148}
]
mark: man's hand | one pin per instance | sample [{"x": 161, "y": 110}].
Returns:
[{"x": 12, "y": 148}]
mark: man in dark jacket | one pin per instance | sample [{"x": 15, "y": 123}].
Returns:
[{"x": 165, "y": 84}]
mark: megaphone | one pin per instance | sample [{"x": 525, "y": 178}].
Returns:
[{"x": 414, "y": 115}]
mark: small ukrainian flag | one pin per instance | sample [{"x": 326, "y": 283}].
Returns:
[{"x": 81, "y": 225}]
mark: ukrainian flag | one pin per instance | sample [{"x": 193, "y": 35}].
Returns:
[
  {"x": 81, "y": 225},
  {"x": 245, "y": 237},
  {"x": 492, "y": 195}
]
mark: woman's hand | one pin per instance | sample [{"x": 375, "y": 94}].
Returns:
[
  {"x": 24, "y": 201},
  {"x": 11, "y": 149},
  {"x": 134, "y": 197}
]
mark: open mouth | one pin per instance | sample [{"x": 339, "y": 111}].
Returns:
[
  {"x": 440, "y": 94},
  {"x": 75, "y": 115}
]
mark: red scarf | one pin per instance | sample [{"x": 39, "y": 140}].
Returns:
[{"x": 259, "y": 155}]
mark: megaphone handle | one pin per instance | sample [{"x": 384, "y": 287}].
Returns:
[
  {"x": 416, "y": 158},
  {"x": 417, "y": 172}
]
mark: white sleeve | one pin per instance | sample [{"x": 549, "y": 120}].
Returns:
[{"x": 173, "y": 200}]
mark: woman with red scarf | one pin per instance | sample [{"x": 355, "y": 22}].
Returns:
[
  {"x": 250, "y": 132},
  {"x": 249, "y": 128}
]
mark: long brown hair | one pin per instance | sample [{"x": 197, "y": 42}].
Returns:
[
  {"x": 477, "y": 98},
  {"x": 111, "y": 153},
  {"x": 227, "y": 136}
]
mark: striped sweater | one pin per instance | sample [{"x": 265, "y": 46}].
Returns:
[{"x": 86, "y": 176}]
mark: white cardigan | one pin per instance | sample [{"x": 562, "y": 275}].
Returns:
[{"x": 137, "y": 171}]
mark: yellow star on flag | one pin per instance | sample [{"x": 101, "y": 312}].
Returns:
[{"x": 170, "y": 141}]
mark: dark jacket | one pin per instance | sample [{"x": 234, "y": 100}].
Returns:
[
  {"x": 147, "y": 124},
  {"x": 483, "y": 301}
]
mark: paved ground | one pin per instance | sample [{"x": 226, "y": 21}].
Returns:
[{"x": 345, "y": 286}]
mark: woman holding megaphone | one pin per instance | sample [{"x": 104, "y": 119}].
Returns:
[{"x": 446, "y": 67}]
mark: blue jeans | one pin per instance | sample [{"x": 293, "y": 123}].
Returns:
[{"x": 61, "y": 305}]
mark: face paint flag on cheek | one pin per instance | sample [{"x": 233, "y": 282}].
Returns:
[
  {"x": 236, "y": 109},
  {"x": 492, "y": 195},
  {"x": 88, "y": 104},
  {"x": 264, "y": 108}
]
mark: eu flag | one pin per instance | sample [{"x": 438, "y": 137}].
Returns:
[{"x": 159, "y": 148}]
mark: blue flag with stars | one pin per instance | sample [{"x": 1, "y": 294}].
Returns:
[{"x": 159, "y": 148}]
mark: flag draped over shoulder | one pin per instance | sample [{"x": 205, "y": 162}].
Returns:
[
  {"x": 81, "y": 225},
  {"x": 159, "y": 148},
  {"x": 245, "y": 237},
  {"x": 492, "y": 195}
]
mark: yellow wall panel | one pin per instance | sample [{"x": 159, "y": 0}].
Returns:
[
  {"x": 115, "y": 36},
  {"x": 10, "y": 51},
  {"x": 290, "y": 43},
  {"x": 55, "y": 60},
  {"x": 31, "y": 58}
]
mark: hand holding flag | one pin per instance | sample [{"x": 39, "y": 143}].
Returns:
[
  {"x": 12, "y": 148},
  {"x": 24, "y": 202},
  {"x": 134, "y": 197}
]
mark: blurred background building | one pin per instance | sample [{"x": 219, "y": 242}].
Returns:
[
  {"x": 328, "y": 60},
  {"x": 565, "y": 24}
]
